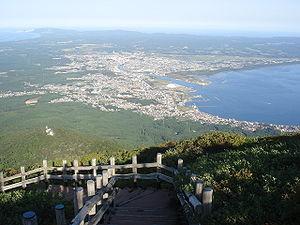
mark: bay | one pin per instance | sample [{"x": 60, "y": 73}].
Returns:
[{"x": 269, "y": 95}]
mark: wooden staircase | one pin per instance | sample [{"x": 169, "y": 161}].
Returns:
[{"x": 144, "y": 207}]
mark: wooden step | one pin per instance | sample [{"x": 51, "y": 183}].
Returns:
[
  {"x": 145, "y": 207},
  {"x": 142, "y": 211},
  {"x": 136, "y": 222}
]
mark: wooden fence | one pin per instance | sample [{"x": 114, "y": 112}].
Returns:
[{"x": 101, "y": 190}]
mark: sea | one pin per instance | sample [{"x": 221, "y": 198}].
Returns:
[{"x": 268, "y": 95}]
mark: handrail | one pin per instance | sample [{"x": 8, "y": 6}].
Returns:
[
  {"x": 73, "y": 169},
  {"x": 105, "y": 185},
  {"x": 93, "y": 201}
]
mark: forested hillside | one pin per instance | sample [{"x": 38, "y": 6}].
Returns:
[{"x": 255, "y": 180}]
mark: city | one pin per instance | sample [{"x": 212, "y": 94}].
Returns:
[{"x": 131, "y": 81}]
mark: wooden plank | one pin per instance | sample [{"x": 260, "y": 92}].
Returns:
[
  {"x": 55, "y": 168},
  {"x": 70, "y": 177},
  {"x": 170, "y": 169},
  {"x": 37, "y": 170},
  {"x": 16, "y": 176},
  {"x": 35, "y": 179},
  {"x": 104, "y": 167},
  {"x": 130, "y": 166},
  {"x": 96, "y": 219},
  {"x": 92, "y": 202},
  {"x": 84, "y": 176},
  {"x": 149, "y": 176},
  {"x": 12, "y": 186},
  {"x": 195, "y": 203},
  {"x": 70, "y": 168},
  {"x": 166, "y": 178},
  {"x": 84, "y": 168}
]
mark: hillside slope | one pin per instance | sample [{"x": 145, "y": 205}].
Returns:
[
  {"x": 256, "y": 180},
  {"x": 27, "y": 147}
]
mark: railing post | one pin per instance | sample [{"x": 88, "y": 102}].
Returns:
[
  {"x": 180, "y": 163},
  {"x": 134, "y": 168},
  {"x": 105, "y": 181},
  {"x": 75, "y": 165},
  {"x": 23, "y": 176},
  {"x": 159, "y": 162},
  {"x": 199, "y": 185},
  {"x": 60, "y": 214},
  {"x": 94, "y": 162},
  {"x": 99, "y": 182},
  {"x": 207, "y": 199},
  {"x": 99, "y": 186},
  {"x": 104, "y": 178},
  {"x": 91, "y": 192},
  {"x": 78, "y": 199},
  {"x": 64, "y": 163},
  {"x": 112, "y": 163},
  {"x": 1, "y": 182},
  {"x": 29, "y": 218},
  {"x": 45, "y": 170}
]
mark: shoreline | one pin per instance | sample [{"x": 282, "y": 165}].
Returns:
[{"x": 190, "y": 100}]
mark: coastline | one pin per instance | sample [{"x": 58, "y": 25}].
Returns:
[{"x": 193, "y": 95}]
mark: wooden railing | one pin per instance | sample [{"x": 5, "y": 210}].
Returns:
[{"x": 100, "y": 186}]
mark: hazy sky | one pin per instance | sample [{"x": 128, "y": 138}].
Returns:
[{"x": 261, "y": 15}]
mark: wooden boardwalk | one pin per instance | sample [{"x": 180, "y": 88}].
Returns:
[
  {"x": 144, "y": 207},
  {"x": 127, "y": 206}
]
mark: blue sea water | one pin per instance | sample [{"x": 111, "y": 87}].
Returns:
[{"x": 268, "y": 95}]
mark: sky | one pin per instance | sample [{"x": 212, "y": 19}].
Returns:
[{"x": 280, "y": 16}]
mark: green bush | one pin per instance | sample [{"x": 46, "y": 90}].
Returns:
[{"x": 13, "y": 204}]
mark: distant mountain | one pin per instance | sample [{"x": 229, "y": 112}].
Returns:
[{"x": 197, "y": 44}]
